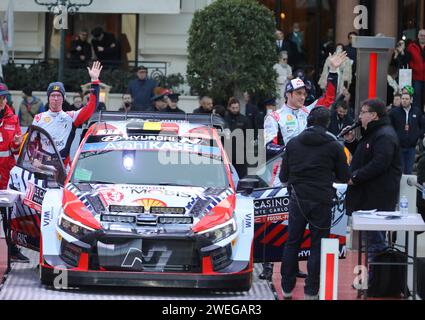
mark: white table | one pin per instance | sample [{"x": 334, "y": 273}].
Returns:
[{"x": 411, "y": 223}]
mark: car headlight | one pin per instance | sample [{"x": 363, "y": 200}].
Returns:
[
  {"x": 73, "y": 227},
  {"x": 220, "y": 232}
]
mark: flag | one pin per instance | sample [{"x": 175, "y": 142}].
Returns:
[
  {"x": 5, "y": 54},
  {"x": 8, "y": 26}
]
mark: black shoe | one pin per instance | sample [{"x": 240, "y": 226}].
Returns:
[
  {"x": 266, "y": 274},
  {"x": 18, "y": 257},
  {"x": 301, "y": 274}
]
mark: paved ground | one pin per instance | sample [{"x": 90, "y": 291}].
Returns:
[{"x": 23, "y": 284}]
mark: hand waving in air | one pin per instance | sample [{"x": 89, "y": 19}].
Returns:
[
  {"x": 337, "y": 60},
  {"x": 95, "y": 70}
]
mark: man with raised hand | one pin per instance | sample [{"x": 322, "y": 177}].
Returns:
[{"x": 62, "y": 125}]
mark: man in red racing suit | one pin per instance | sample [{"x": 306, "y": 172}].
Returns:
[
  {"x": 10, "y": 139},
  {"x": 62, "y": 125}
]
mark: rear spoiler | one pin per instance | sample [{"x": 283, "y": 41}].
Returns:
[{"x": 209, "y": 120}]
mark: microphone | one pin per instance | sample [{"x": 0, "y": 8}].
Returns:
[
  {"x": 347, "y": 130},
  {"x": 412, "y": 183}
]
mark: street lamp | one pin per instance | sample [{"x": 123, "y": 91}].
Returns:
[{"x": 63, "y": 7}]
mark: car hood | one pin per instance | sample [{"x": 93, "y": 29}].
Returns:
[{"x": 82, "y": 199}]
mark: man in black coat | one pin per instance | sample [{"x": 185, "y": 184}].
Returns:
[
  {"x": 206, "y": 106},
  {"x": 375, "y": 167},
  {"x": 311, "y": 163},
  {"x": 173, "y": 100},
  {"x": 409, "y": 125},
  {"x": 238, "y": 124},
  {"x": 106, "y": 47},
  {"x": 80, "y": 51},
  {"x": 251, "y": 111},
  {"x": 283, "y": 44}
]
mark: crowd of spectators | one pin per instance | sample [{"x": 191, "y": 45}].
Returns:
[{"x": 144, "y": 94}]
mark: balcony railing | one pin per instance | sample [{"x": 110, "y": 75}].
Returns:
[{"x": 38, "y": 73}]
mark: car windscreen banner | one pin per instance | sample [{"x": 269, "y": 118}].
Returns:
[{"x": 271, "y": 212}]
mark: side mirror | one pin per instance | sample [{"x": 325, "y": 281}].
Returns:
[
  {"x": 45, "y": 175},
  {"x": 246, "y": 186},
  {"x": 49, "y": 179}
]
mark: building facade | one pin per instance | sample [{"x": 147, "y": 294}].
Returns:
[
  {"x": 157, "y": 30},
  {"x": 331, "y": 20}
]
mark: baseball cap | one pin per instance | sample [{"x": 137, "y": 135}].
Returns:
[
  {"x": 142, "y": 68},
  {"x": 270, "y": 102},
  {"x": 295, "y": 84},
  {"x": 56, "y": 87},
  {"x": 4, "y": 91},
  {"x": 161, "y": 94}
]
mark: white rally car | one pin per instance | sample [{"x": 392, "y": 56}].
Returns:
[{"x": 149, "y": 200}]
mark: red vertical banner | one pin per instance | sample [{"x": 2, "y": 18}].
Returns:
[
  {"x": 373, "y": 75},
  {"x": 330, "y": 274}
]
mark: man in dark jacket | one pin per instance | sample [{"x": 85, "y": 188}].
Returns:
[
  {"x": 311, "y": 163},
  {"x": 142, "y": 90},
  {"x": 283, "y": 44},
  {"x": 206, "y": 106},
  {"x": 375, "y": 167},
  {"x": 238, "y": 124},
  {"x": 80, "y": 51},
  {"x": 251, "y": 111},
  {"x": 408, "y": 123},
  {"x": 106, "y": 47},
  {"x": 173, "y": 100},
  {"x": 340, "y": 118}
]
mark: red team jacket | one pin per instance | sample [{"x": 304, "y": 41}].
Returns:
[{"x": 9, "y": 128}]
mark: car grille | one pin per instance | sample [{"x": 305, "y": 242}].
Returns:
[{"x": 154, "y": 255}]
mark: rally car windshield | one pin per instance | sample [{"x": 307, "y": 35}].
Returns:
[{"x": 150, "y": 167}]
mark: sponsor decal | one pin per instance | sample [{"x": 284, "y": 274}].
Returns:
[
  {"x": 136, "y": 258},
  {"x": 298, "y": 83},
  {"x": 246, "y": 223},
  {"x": 147, "y": 203},
  {"x": 9, "y": 127},
  {"x": 34, "y": 197},
  {"x": 107, "y": 132},
  {"x": 47, "y": 218},
  {"x": 291, "y": 123},
  {"x": 159, "y": 192},
  {"x": 271, "y": 210},
  {"x": 275, "y": 116},
  {"x": 115, "y": 138},
  {"x": 112, "y": 195},
  {"x": 150, "y": 145},
  {"x": 289, "y": 117},
  {"x": 47, "y": 119},
  {"x": 20, "y": 238}
]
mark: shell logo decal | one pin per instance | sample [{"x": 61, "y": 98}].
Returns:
[
  {"x": 148, "y": 203},
  {"x": 289, "y": 117}
]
